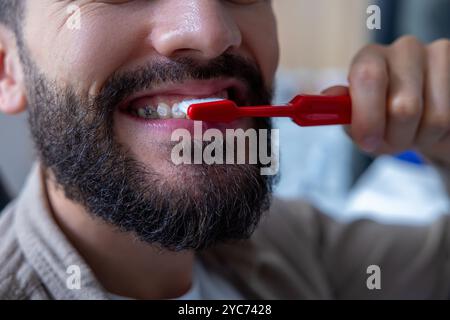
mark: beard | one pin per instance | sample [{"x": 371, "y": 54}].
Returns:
[{"x": 194, "y": 208}]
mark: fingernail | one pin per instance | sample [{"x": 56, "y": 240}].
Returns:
[{"x": 371, "y": 144}]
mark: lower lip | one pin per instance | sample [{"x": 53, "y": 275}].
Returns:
[{"x": 170, "y": 125}]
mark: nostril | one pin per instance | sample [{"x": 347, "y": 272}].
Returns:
[{"x": 186, "y": 52}]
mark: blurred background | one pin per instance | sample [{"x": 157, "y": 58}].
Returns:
[{"x": 318, "y": 40}]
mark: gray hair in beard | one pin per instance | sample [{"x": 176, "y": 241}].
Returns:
[{"x": 75, "y": 142}]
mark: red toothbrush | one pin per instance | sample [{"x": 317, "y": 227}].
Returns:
[{"x": 305, "y": 110}]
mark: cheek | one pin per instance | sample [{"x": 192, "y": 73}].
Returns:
[
  {"x": 83, "y": 58},
  {"x": 95, "y": 55},
  {"x": 260, "y": 39}
]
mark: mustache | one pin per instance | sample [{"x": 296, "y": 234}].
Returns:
[{"x": 178, "y": 70}]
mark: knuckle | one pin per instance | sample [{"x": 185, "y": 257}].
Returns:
[
  {"x": 440, "y": 50},
  {"x": 405, "y": 108},
  {"x": 368, "y": 73},
  {"x": 441, "y": 44},
  {"x": 408, "y": 40},
  {"x": 373, "y": 48},
  {"x": 369, "y": 50}
]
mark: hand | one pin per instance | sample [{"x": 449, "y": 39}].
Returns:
[{"x": 401, "y": 98}]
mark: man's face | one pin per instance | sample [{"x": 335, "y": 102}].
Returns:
[{"x": 85, "y": 86}]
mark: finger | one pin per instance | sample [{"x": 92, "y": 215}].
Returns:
[
  {"x": 335, "y": 91},
  {"x": 368, "y": 89},
  {"x": 405, "y": 101},
  {"x": 338, "y": 91},
  {"x": 436, "y": 119}
]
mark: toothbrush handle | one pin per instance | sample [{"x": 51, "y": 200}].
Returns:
[
  {"x": 306, "y": 110},
  {"x": 322, "y": 110},
  {"x": 265, "y": 111},
  {"x": 303, "y": 109},
  {"x": 227, "y": 111}
]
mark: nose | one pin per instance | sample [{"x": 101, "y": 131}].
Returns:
[{"x": 203, "y": 28}]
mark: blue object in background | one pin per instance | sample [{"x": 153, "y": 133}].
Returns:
[{"x": 411, "y": 157}]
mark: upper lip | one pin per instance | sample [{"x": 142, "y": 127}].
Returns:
[{"x": 198, "y": 88}]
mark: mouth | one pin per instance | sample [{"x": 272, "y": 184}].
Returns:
[
  {"x": 164, "y": 103},
  {"x": 145, "y": 123}
]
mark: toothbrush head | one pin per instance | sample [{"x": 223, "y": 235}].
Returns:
[
  {"x": 184, "y": 105},
  {"x": 217, "y": 110}
]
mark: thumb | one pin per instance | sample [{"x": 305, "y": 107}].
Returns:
[{"x": 338, "y": 91}]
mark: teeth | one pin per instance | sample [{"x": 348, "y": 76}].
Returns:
[
  {"x": 164, "y": 111},
  {"x": 141, "y": 112},
  {"x": 177, "y": 113},
  {"x": 147, "y": 113}
]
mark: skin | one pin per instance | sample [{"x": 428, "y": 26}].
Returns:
[{"x": 400, "y": 94}]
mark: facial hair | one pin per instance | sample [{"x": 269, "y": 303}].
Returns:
[{"x": 75, "y": 141}]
